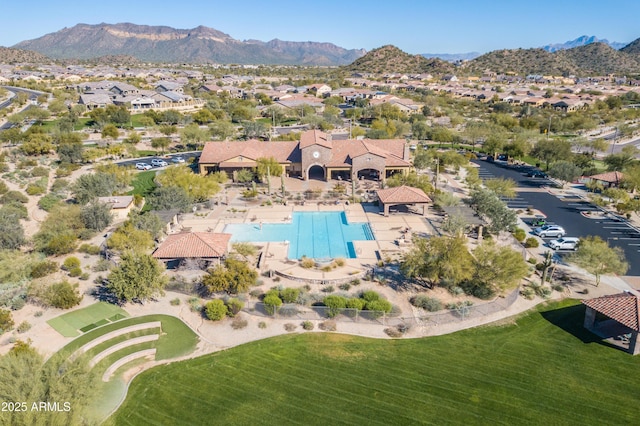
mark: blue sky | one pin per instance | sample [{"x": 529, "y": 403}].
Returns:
[{"x": 415, "y": 26}]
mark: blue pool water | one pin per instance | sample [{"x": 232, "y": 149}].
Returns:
[{"x": 318, "y": 235}]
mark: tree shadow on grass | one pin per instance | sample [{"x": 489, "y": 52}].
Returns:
[{"x": 571, "y": 320}]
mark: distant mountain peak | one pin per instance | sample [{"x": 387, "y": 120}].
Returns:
[
  {"x": 197, "y": 45},
  {"x": 582, "y": 41}
]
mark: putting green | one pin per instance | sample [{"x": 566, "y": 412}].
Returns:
[{"x": 73, "y": 323}]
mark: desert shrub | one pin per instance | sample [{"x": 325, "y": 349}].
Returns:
[
  {"x": 75, "y": 272},
  {"x": 262, "y": 325},
  {"x": 23, "y": 327},
  {"x": 380, "y": 305},
  {"x": 532, "y": 260},
  {"x": 70, "y": 263},
  {"x": 62, "y": 295},
  {"x": 289, "y": 295},
  {"x": 49, "y": 201},
  {"x": 531, "y": 242},
  {"x": 39, "y": 171},
  {"x": 84, "y": 276},
  {"x": 89, "y": 249},
  {"x": 35, "y": 189},
  {"x": 345, "y": 286},
  {"x": 239, "y": 323},
  {"x": 427, "y": 303},
  {"x": 102, "y": 265},
  {"x": 335, "y": 304},
  {"x": 520, "y": 234},
  {"x": 272, "y": 302},
  {"x": 355, "y": 282},
  {"x": 215, "y": 310},
  {"x": 528, "y": 293},
  {"x": 370, "y": 295},
  {"x": 6, "y": 320},
  {"x": 194, "y": 304},
  {"x": 38, "y": 314},
  {"x": 393, "y": 332},
  {"x": 14, "y": 197},
  {"x": 174, "y": 302},
  {"x": 340, "y": 261},
  {"x": 355, "y": 303},
  {"x": 290, "y": 327},
  {"x": 234, "y": 306},
  {"x": 307, "y": 263},
  {"x": 307, "y": 325},
  {"x": 328, "y": 289},
  {"x": 329, "y": 325},
  {"x": 543, "y": 291},
  {"x": 558, "y": 287},
  {"x": 43, "y": 268},
  {"x": 257, "y": 293}
]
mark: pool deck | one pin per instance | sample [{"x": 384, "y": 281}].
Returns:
[{"x": 387, "y": 232}]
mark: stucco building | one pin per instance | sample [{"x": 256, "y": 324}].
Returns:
[{"x": 315, "y": 156}]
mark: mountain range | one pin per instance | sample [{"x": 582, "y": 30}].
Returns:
[
  {"x": 582, "y": 41},
  {"x": 586, "y": 55},
  {"x": 197, "y": 45}
]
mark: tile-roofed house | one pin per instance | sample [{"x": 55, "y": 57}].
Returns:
[
  {"x": 610, "y": 179},
  {"x": 92, "y": 101},
  {"x": 120, "y": 205},
  {"x": 623, "y": 308},
  {"x": 205, "y": 246},
  {"x": 402, "y": 195}
]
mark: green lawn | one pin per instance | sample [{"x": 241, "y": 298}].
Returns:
[
  {"x": 543, "y": 369},
  {"x": 97, "y": 314},
  {"x": 143, "y": 183},
  {"x": 176, "y": 339}
]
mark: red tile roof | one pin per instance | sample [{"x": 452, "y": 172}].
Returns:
[
  {"x": 193, "y": 245},
  {"x": 218, "y": 152},
  {"x": 611, "y": 177},
  {"x": 315, "y": 137},
  {"x": 622, "y": 307},
  {"x": 403, "y": 194},
  {"x": 392, "y": 150}
]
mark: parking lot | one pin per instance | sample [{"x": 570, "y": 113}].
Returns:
[{"x": 569, "y": 209}]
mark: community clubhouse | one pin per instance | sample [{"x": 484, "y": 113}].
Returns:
[{"x": 314, "y": 156}]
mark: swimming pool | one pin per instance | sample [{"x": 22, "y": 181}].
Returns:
[{"x": 317, "y": 235}]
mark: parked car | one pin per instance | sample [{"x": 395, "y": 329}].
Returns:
[
  {"x": 537, "y": 174},
  {"x": 177, "y": 160},
  {"x": 550, "y": 231},
  {"x": 143, "y": 166},
  {"x": 537, "y": 222},
  {"x": 565, "y": 243},
  {"x": 157, "y": 162}
]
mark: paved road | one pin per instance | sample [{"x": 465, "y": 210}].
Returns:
[{"x": 565, "y": 211}]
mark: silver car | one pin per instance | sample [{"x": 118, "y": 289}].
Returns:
[{"x": 549, "y": 231}]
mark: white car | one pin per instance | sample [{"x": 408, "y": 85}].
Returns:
[
  {"x": 550, "y": 231},
  {"x": 143, "y": 166},
  {"x": 565, "y": 243},
  {"x": 157, "y": 162},
  {"x": 177, "y": 160}
]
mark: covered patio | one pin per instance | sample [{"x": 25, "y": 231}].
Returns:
[
  {"x": 615, "y": 318},
  {"x": 402, "y": 195}
]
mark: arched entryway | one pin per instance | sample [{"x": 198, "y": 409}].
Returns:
[
  {"x": 369, "y": 174},
  {"x": 316, "y": 172}
]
